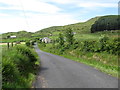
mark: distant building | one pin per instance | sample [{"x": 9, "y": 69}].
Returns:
[
  {"x": 50, "y": 34},
  {"x": 11, "y": 36},
  {"x": 46, "y": 40}
]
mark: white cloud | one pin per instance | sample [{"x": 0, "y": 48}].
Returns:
[
  {"x": 40, "y": 7},
  {"x": 94, "y": 4},
  {"x": 30, "y": 5},
  {"x": 3, "y": 15},
  {"x": 49, "y": 14},
  {"x": 11, "y": 24},
  {"x": 35, "y": 22},
  {"x": 87, "y": 3},
  {"x": 61, "y": 1}
]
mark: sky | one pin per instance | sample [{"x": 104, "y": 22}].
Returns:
[{"x": 34, "y": 15}]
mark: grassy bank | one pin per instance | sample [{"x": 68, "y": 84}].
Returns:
[
  {"x": 19, "y": 67},
  {"x": 107, "y": 63}
]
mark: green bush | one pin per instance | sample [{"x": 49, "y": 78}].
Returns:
[
  {"x": 26, "y": 51},
  {"x": 103, "y": 45},
  {"x": 61, "y": 50},
  {"x": 75, "y": 45},
  {"x": 33, "y": 42},
  {"x": 42, "y": 44},
  {"x": 28, "y": 43},
  {"x": 9, "y": 70},
  {"x": 18, "y": 65}
]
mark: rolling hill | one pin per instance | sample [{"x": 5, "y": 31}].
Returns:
[
  {"x": 18, "y": 34},
  {"x": 82, "y": 30},
  {"x": 82, "y": 27}
]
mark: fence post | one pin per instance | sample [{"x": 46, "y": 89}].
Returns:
[
  {"x": 12, "y": 44},
  {"x": 8, "y": 45}
]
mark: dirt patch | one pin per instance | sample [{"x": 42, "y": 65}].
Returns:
[{"x": 3, "y": 43}]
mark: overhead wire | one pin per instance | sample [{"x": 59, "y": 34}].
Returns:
[{"x": 21, "y": 4}]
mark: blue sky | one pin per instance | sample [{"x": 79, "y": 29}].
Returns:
[{"x": 33, "y": 15}]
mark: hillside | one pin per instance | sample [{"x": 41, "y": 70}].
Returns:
[
  {"x": 82, "y": 31},
  {"x": 111, "y": 22},
  {"x": 18, "y": 34},
  {"x": 83, "y": 27}
]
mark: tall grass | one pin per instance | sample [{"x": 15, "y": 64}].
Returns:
[{"x": 18, "y": 67}]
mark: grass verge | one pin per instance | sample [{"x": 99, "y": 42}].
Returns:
[{"x": 19, "y": 67}]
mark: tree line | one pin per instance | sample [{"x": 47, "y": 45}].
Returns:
[
  {"x": 106, "y": 23},
  {"x": 104, "y": 44}
]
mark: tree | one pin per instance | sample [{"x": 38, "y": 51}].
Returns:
[
  {"x": 8, "y": 36},
  {"x": 69, "y": 36},
  {"x": 61, "y": 40}
]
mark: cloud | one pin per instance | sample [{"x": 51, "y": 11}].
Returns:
[
  {"x": 33, "y": 15},
  {"x": 87, "y": 3},
  {"x": 12, "y": 24},
  {"x": 47, "y": 15},
  {"x": 35, "y": 22},
  {"x": 31, "y": 5},
  {"x": 61, "y": 1},
  {"x": 96, "y": 5},
  {"x": 86, "y": 6},
  {"x": 3, "y": 15}
]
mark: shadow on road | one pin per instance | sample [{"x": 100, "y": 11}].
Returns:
[{"x": 43, "y": 68}]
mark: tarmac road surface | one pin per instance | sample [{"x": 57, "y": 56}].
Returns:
[{"x": 59, "y": 72}]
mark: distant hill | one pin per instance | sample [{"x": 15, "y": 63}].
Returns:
[
  {"x": 19, "y": 34},
  {"x": 83, "y": 27},
  {"x": 79, "y": 28}
]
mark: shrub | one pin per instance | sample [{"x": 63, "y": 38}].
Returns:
[
  {"x": 32, "y": 42},
  {"x": 27, "y": 43},
  {"x": 69, "y": 36},
  {"x": 18, "y": 65},
  {"x": 103, "y": 45},
  {"x": 61, "y": 40},
  {"x": 75, "y": 45},
  {"x": 61, "y": 50}
]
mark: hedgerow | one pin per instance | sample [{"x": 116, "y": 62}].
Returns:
[
  {"x": 18, "y": 67},
  {"x": 103, "y": 45}
]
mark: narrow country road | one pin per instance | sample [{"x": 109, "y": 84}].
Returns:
[{"x": 59, "y": 72}]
